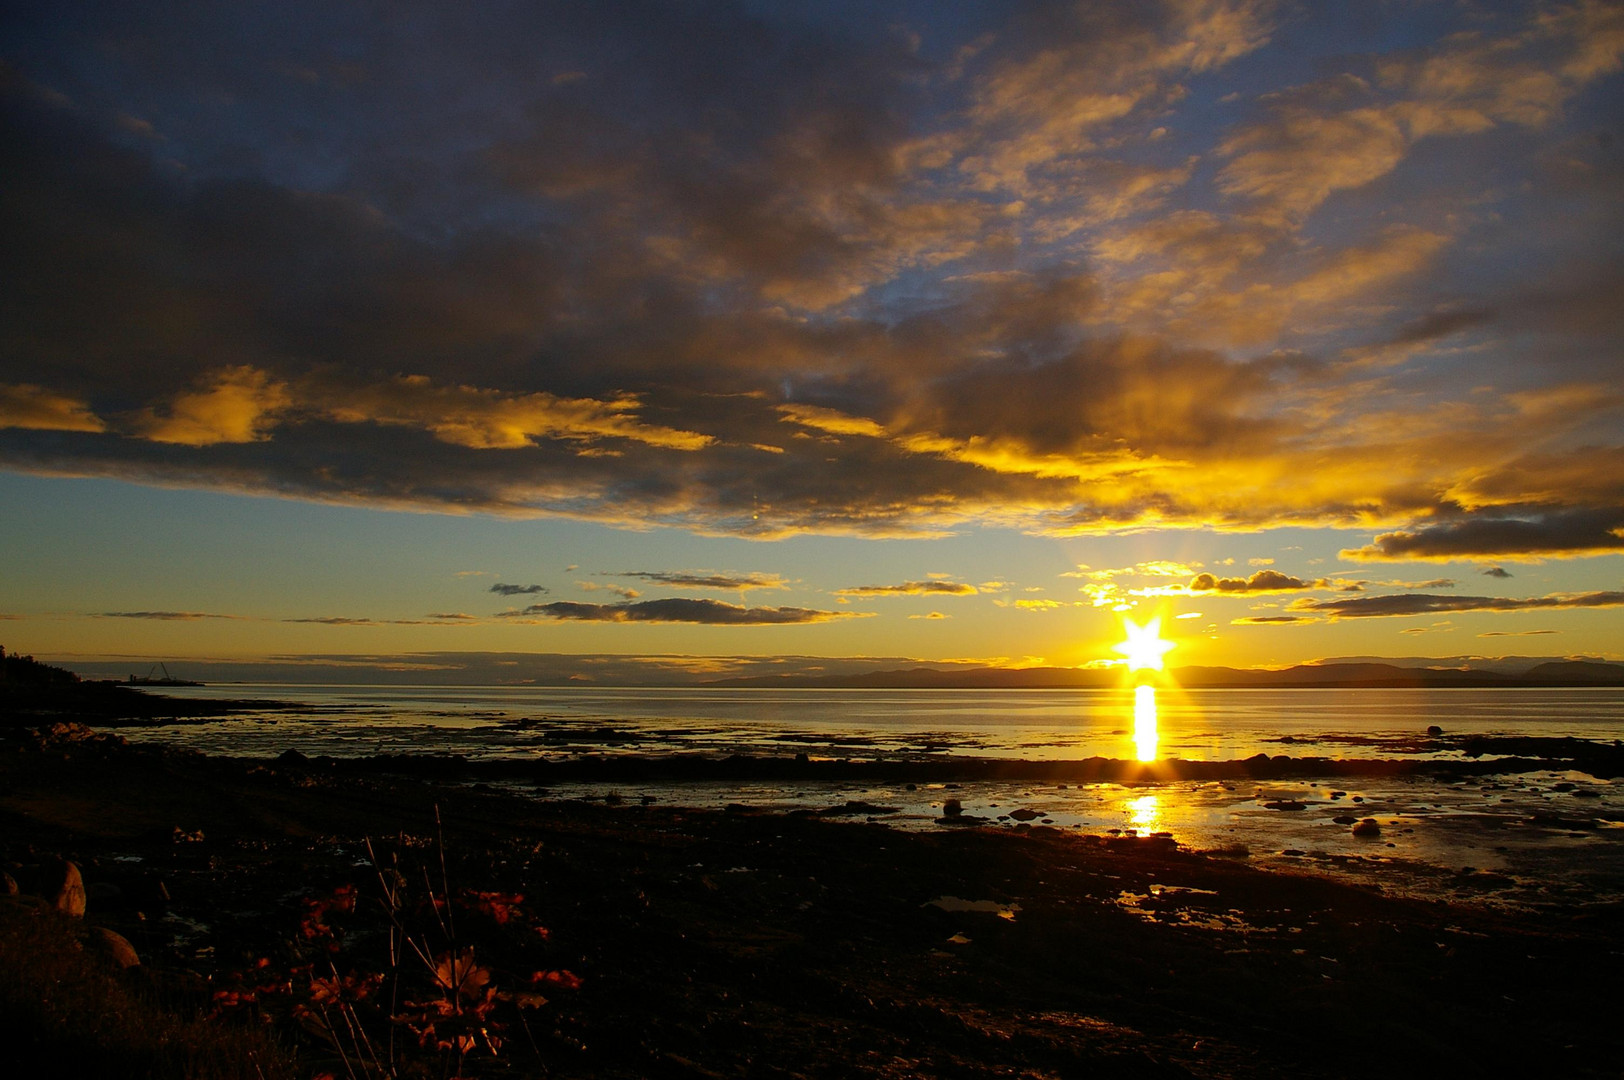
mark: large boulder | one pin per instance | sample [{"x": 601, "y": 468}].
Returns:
[
  {"x": 114, "y": 946},
  {"x": 63, "y": 888}
]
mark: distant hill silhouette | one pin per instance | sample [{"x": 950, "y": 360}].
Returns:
[
  {"x": 21, "y": 671},
  {"x": 32, "y": 692},
  {"x": 1561, "y": 673},
  {"x": 1576, "y": 673}
]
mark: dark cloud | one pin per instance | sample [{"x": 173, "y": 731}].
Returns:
[
  {"x": 678, "y": 610},
  {"x": 1439, "y": 324},
  {"x": 345, "y": 620},
  {"x": 1262, "y": 581},
  {"x": 1518, "y": 633},
  {"x": 516, "y": 590},
  {"x": 1271, "y": 620},
  {"x": 1538, "y": 531},
  {"x": 749, "y": 273},
  {"x": 1495, "y": 572},
  {"x": 166, "y": 616},
  {"x": 912, "y": 588},
  {"x": 729, "y": 582},
  {"x": 335, "y": 620},
  {"x": 1427, "y": 604}
]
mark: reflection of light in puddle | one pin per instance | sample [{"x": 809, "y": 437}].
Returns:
[
  {"x": 991, "y": 907},
  {"x": 1167, "y": 904},
  {"x": 1145, "y": 812},
  {"x": 1144, "y": 722}
]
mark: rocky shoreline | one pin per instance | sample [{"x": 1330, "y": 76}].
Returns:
[{"x": 712, "y": 943}]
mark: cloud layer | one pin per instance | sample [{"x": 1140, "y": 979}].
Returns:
[
  {"x": 677, "y": 610},
  {"x": 1429, "y": 604},
  {"x": 1079, "y": 268}
]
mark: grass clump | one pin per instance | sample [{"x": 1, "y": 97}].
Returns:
[{"x": 67, "y": 1012}]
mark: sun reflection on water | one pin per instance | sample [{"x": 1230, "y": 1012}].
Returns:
[
  {"x": 1144, "y": 721},
  {"x": 1144, "y": 813}
]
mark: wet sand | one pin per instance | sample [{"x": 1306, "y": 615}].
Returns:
[{"x": 749, "y": 943}]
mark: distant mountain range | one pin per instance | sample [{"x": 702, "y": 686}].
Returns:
[
  {"x": 607, "y": 669},
  {"x": 1342, "y": 673}
]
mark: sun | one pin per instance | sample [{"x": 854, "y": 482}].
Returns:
[{"x": 1144, "y": 647}]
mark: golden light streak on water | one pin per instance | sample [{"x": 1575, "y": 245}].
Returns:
[
  {"x": 1144, "y": 721},
  {"x": 1144, "y": 813}
]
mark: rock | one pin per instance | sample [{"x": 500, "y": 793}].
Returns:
[
  {"x": 1023, "y": 814},
  {"x": 952, "y": 808},
  {"x": 1367, "y": 827},
  {"x": 8, "y": 885},
  {"x": 291, "y": 757},
  {"x": 1285, "y": 804},
  {"x": 1435, "y": 730},
  {"x": 103, "y": 893},
  {"x": 63, "y": 888},
  {"x": 1344, "y": 819},
  {"x": 113, "y": 946},
  {"x": 857, "y": 806}
]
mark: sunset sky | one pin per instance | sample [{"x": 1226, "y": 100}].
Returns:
[{"x": 401, "y": 332}]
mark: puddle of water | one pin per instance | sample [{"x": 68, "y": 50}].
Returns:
[{"x": 990, "y": 907}]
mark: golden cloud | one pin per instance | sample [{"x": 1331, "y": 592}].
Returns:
[
  {"x": 236, "y": 405},
  {"x": 484, "y": 419},
  {"x": 24, "y": 405}
]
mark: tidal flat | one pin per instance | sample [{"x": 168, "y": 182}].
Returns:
[{"x": 619, "y": 937}]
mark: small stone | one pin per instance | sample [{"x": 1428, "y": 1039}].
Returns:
[
  {"x": 1285, "y": 804},
  {"x": 1367, "y": 827},
  {"x": 8, "y": 885},
  {"x": 1025, "y": 814},
  {"x": 952, "y": 808},
  {"x": 64, "y": 888},
  {"x": 1435, "y": 730},
  {"x": 1344, "y": 819},
  {"x": 114, "y": 946}
]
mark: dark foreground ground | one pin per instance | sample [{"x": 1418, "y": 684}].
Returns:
[{"x": 630, "y": 940}]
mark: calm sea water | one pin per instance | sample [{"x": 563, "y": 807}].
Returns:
[
  {"x": 483, "y": 721},
  {"x": 1549, "y": 837}
]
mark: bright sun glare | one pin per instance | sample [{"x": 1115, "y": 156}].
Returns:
[{"x": 1144, "y": 647}]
